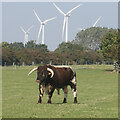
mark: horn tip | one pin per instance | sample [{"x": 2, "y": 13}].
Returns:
[{"x": 28, "y": 74}]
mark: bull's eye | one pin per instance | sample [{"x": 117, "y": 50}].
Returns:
[{"x": 49, "y": 73}]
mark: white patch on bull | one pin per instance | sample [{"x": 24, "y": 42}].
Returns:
[
  {"x": 62, "y": 66},
  {"x": 41, "y": 95},
  {"x": 74, "y": 80},
  {"x": 75, "y": 94},
  {"x": 42, "y": 90}
]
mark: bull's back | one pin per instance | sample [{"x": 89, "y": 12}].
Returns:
[{"x": 62, "y": 76}]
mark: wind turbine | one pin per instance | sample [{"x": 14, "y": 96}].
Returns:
[
  {"x": 42, "y": 26},
  {"x": 65, "y": 22},
  {"x": 93, "y": 24},
  {"x": 26, "y": 33}
]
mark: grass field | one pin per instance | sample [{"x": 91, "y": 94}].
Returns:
[{"x": 97, "y": 88}]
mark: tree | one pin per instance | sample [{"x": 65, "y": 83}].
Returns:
[
  {"x": 109, "y": 46},
  {"x": 67, "y": 47},
  {"x": 17, "y": 45},
  {"x": 43, "y": 47},
  {"x": 119, "y": 47},
  {"x": 90, "y": 38},
  {"x": 30, "y": 44},
  {"x": 75, "y": 54},
  {"x": 5, "y": 44},
  {"x": 8, "y": 56}
]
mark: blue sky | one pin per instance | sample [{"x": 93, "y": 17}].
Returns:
[{"x": 19, "y": 14}]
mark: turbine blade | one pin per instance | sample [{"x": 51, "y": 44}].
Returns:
[
  {"x": 58, "y": 9},
  {"x": 49, "y": 19},
  {"x": 39, "y": 32},
  {"x": 64, "y": 22},
  {"x": 37, "y": 16},
  {"x": 80, "y": 29},
  {"x": 73, "y": 8},
  {"x": 30, "y": 28},
  {"x": 96, "y": 21},
  {"x": 22, "y": 29}
]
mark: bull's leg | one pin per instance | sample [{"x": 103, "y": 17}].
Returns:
[
  {"x": 65, "y": 89},
  {"x": 40, "y": 94},
  {"x": 73, "y": 87},
  {"x": 58, "y": 91},
  {"x": 50, "y": 94},
  {"x": 75, "y": 94}
]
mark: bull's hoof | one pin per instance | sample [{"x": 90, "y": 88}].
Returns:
[
  {"x": 75, "y": 100},
  {"x": 39, "y": 102},
  {"x": 64, "y": 101},
  {"x": 49, "y": 102}
]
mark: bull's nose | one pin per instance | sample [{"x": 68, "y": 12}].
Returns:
[{"x": 38, "y": 81}]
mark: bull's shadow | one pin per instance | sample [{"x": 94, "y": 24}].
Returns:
[
  {"x": 66, "y": 103},
  {"x": 62, "y": 103},
  {"x": 108, "y": 70}
]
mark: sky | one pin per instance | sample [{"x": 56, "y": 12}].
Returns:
[{"x": 16, "y": 14}]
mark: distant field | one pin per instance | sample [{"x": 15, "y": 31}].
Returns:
[{"x": 97, "y": 88}]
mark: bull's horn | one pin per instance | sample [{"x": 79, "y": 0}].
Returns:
[
  {"x": 51, "y": 71},
  {"x": 32, "y": 71}
]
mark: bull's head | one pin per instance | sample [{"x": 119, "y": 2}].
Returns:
[{"x": 43, "y": 73}]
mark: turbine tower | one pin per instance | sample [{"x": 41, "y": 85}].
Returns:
[
  {"x": 65, "y": 22},
  {"x": 26, "y": 34},
  {"x": 42, "y": 26}
]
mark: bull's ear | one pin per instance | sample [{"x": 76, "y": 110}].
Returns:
[{"x": 50, "y": 72}]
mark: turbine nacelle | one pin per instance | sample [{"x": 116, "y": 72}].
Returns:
[
  {"x": 26, "y": 34},
  {"x": 67, "y": 15},
  {"x": 41, "y": 29},
  {"x": 42, "y": 23}
]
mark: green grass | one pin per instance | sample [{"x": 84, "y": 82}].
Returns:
[{"x": 97, "y": 89}]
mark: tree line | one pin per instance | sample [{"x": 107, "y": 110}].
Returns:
[{"x": 67, "y": 53}]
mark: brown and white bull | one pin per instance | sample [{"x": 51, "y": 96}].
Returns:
[{"x": 52, "y": 77}]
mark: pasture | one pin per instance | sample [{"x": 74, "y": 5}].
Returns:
[{"x": 97, "y": 89}]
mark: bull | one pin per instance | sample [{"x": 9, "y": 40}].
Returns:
[{"x": 52, "y": 77}]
